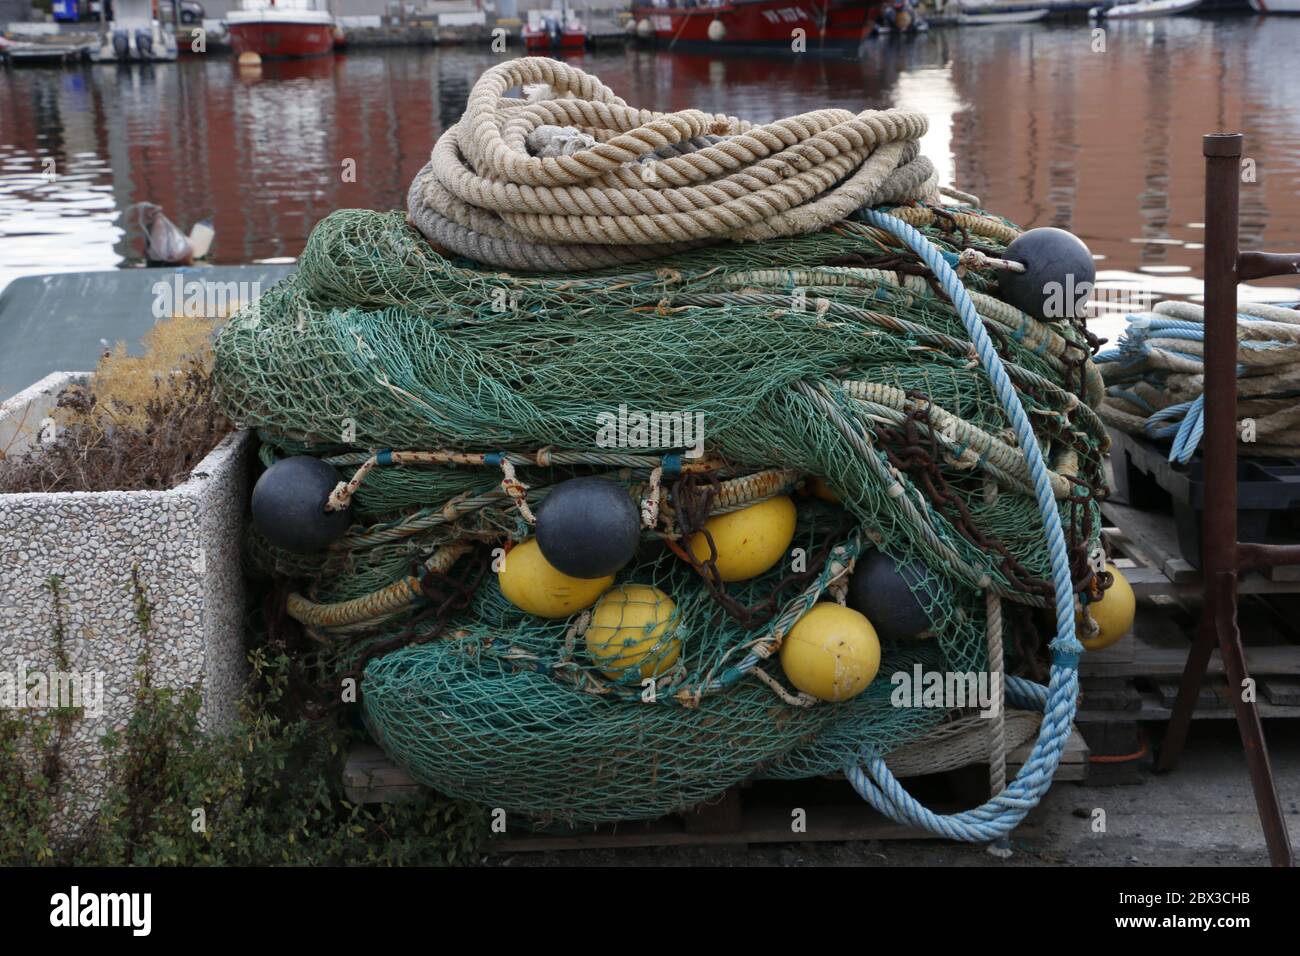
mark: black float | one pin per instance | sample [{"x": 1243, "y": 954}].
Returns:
[
  {"x": 289, "y": 505},
  {"x": 882, "y": 591},
  {"x": 1059, "y": 273},
  {"x": 588, "y": 527}
]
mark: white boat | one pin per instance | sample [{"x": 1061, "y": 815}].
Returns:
[
  {"x": 134, "y": 35},
  {"x": 975, "y": 13},
  {"x": 982, "y": 14},
  {"x": 1143, "y": 9},
  {"x": 1275, "y": 6},
  {"x": 281, "y": 28}
]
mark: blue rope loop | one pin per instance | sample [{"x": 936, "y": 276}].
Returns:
[{"x": 870, "y": 777}]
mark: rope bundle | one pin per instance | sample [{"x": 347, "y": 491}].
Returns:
[
  {"x": 1155, "y": 377},
  {"x": 648, "y": 184}
]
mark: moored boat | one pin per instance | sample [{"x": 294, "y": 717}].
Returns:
[
  {"x": 135, "y": 34},
  {"x": 992, "y": 19},
  {"x": 974, "y": 14},
  {"x": 759, "y": 25},
  {"x": 1275, "y": 6},
  {"x": 281, "y": 28},
  {"x": 1144, "y": 9},
  {"x": 550, "y": 30}
]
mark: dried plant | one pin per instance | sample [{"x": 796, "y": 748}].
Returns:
[{"x": 142, "y": 423}]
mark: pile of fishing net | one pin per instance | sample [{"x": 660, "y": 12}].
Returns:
[
  {"x": 1155, "y": 378},
  {"x": 749, "y": 280}
]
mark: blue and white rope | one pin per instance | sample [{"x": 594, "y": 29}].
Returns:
[{"x": 1004, "y": 811}]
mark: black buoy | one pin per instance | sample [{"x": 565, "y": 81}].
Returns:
[
  {"x": 882, "y": 592},
  {"x": 588, "y": 527},
  {"x": 1058, "y": 277},
  {"x": 289, "y": 505}
]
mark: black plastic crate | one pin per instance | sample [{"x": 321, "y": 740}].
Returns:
[{"x": 1268, "y": 492}]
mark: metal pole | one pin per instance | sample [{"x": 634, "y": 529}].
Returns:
[
  {"x": 1219, "y": 548},
  {"x": 1219, "y": 446}
]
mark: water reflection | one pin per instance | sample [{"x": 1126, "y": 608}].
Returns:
[{"x": 1037, "y": 121}]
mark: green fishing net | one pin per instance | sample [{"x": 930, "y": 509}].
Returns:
[{"x": 821, "y": 355}]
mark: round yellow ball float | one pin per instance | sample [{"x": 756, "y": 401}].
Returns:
[
  {"x": 749, "y": 541},
  {"x": 1113, "y": 614},
  {"x": 530, "y": 583},
  {"x": 832, "y": 652},
  {"x": 627, "y": 630}
]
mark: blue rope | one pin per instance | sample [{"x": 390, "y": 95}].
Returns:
[
  {"x": 1189, "y": 432},
  {"x": 1001, "y": 814}
]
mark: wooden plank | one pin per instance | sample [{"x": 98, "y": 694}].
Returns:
[
  {"x": 1210, "y": 695},
  {"x": 1285, "y": 574},
  {"x": 1152, "y": 539},
  {"x": 1153, "y": 709},
  {"x": 370, "y": 777},
  {"x": 835, "y": 823},
  {"x": 759, "y": 825},
  {"x": 1074, "y": 759},
  {"x": 1283, "y": 691},
  {"x": 1155, "y": 536},
  {"x": 1160, "y": 641},
  {"x": 1168, "y": 662}
]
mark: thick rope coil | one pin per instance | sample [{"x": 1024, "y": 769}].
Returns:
[{"x": 516, "y": 180}]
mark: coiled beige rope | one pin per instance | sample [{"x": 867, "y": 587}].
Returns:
[{"x": 633, "y": 184}]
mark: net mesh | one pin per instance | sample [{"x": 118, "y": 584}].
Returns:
[{"x": 821, "y": 355}]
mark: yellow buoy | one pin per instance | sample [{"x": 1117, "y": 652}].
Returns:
[
  {"x": 530, "y": 583},
  {"x": 1113, "y": 613},
  {"x": 748, "y": 541},
  {"x": 628, "y": 628},
  {"x": 832, "y": 652},
  {"x": 816, "y": 485}
]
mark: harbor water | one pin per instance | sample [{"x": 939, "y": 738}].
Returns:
[{"x": 1044, "y": 126}]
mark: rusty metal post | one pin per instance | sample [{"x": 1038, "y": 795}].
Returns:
[
  {"x": 1222, "y": 162},
  {"x": 1220, "y": 558}
]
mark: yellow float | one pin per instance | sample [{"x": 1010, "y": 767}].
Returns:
[
  {"x": 530, "y": 583},
  {"x": 749, "y": 541},
  {"x": 1113, "y": 614},
  {"x": 627, "y": 630},
  {"x": 832, "y": 652},
  {"x": 817, "y": 486}
]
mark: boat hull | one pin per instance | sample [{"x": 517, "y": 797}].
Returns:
[
  {"x": 539, "y": 41},
  {"x": 1147, "y": 11},
  {"x": 761, "y": 26},
  {"x": 279, "y": 37},
  {"x": 1010, "y": 16}
]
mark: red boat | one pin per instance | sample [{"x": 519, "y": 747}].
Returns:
[
  {"x": 281, "y": 28},
  {"x": 548, "y": 30},
  {"x": 838, "y": 26}
]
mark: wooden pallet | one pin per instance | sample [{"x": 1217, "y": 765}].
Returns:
[
  {"x": 1149, "y": 540},
  {"x": 1136, "y": 679},
  {"x": 754, "y": 813}
]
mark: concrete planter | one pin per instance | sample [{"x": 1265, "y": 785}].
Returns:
[{"x": 75, "y": 570}]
